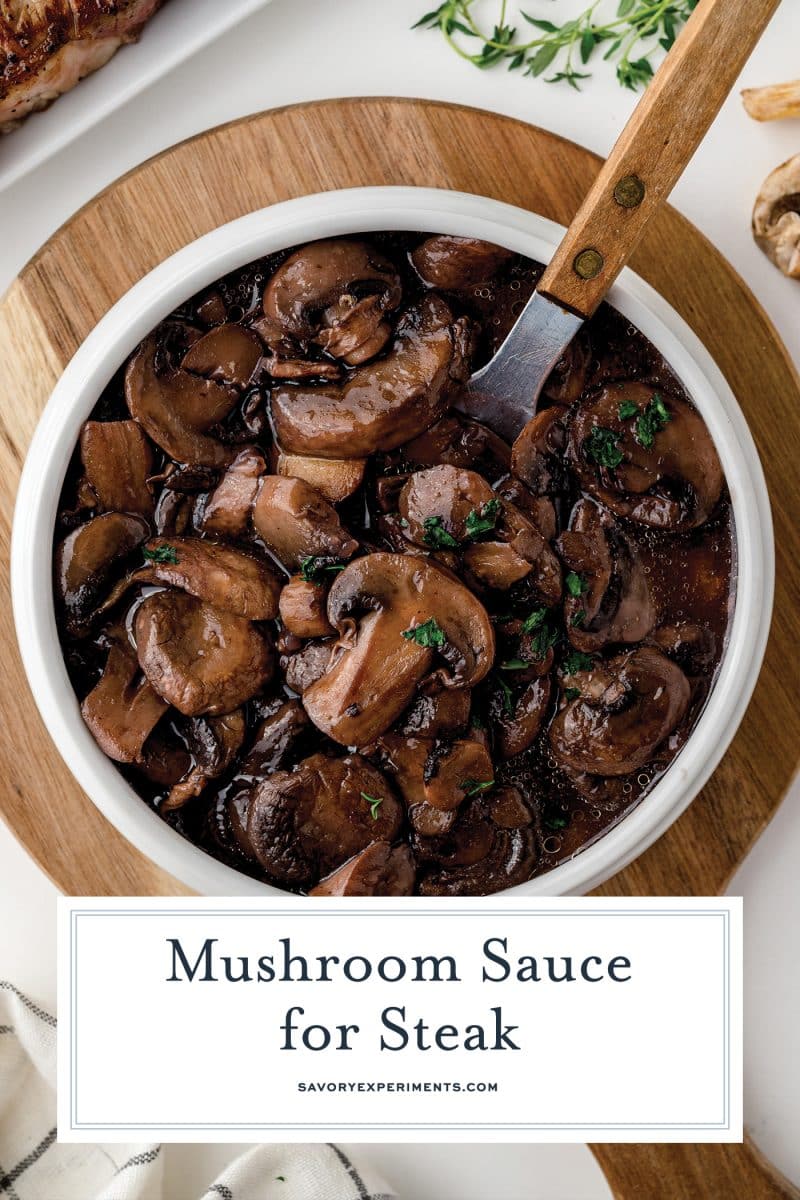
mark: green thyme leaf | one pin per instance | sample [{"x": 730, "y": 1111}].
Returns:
[
  {"x": 627, "y": 409},
  {"x": 652, "y": 421},
  {"x": 471, "y": 787},
  {"x": 514, "y": 664},
  {"x": 572, "y": 693},
  {"x": 436, "y": 536},
  {"x": 601, "y": 447},
  {"x": 374, "y": 803},
  {"x": 482, "y": 521},
  {"x": 639, "y": 31},
  {"x": 429, "y": 634},
  {"x": 313, "y": 567},
  {"x": 555, "y": 820},
  {"x": 161, "y": 554}
]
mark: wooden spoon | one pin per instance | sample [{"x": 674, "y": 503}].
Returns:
[{"x": 666, "y": 127}]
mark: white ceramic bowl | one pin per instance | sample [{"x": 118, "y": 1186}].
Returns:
[{"x": 301, "y": 220}]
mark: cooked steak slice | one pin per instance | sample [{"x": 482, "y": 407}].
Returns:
[{"x": 47, "y": 46}]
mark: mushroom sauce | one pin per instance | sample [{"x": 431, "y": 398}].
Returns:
[{"x": 351, "y": 642}]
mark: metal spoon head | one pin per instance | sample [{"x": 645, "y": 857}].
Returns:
[{"x": 504, "y": 394}]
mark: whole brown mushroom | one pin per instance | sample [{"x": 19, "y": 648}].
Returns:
[{"x": 776, "y": 217}]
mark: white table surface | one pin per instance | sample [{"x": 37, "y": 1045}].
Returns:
[{"x": 307, "y": 49}]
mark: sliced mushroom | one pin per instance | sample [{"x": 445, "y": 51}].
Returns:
[
  {"x": 85, "y": 561},
  {"x": 492, "y": 846},
  {"x": 384, "y": 403},
  {"x": 434, "y": 716},
  {"x": 378, "y": 870},
  {"x": 448, "y": 262},
  {"x": 276, "y": 742},
  {"x": 539, "y": 509},
  {"x": 496, "y": 565},
  {"x": 776, "y": 217},
  {"x": 296, "y": 522},
  {"x": 122, "y": 709},
  {"x": 215, "y": 742},
  {"x": 447, "y": 506},
  {"x": 227, "y": 354},
  {"x": 334, "y": 478},
  {"x": 691, "y": 646},
  {"x": 178, "y": 408},
  {"x": 460, "y": 442},
  {"x": 670, "y": 478},
  {"x": 229, "y": 579},
  {"x": 307, "y": 665},
  {"x": 202, "y": 660},
  {"x": 614, "y": 603},
  {"x": 449, "y": 498},
  {"x": 117, "y": 463},
  {"x": 626, "y": 708},
  {"x": 304, "y": 824},
  {"x": 300, "y": 370},
  {"x": 228, "y": 509},
  {"x": 455, "y": 770},
  {"x": 335, "y": 292},
  {"x": 537, "y": 454},
  {"x": 302, "y": 608},
  {"x": 517, "y": 721},
  {"x": 568, "y": 377},
  {"x": 375, "y": 669},
  {"x": 437, "y": 774}
]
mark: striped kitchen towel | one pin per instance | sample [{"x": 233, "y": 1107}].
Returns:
[{"x": 34, "y": 1166}]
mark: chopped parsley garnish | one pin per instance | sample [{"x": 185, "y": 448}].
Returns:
[
  {"x": 578, "y": 619},
  {"x": 577, "y": 661},
  {"x": 627, "y": 409},
  {"x": 576, "y": 585},
  {"x": 508, "y": 696},
  {"x": 161, "y": 554},
  {"x": 601, "y": 447},
  {"x": 536, "y": 618},
  {"x": 543, "y": 625},
  {"x": 652, "y": 421},
  {"x": 374, "y": 803},
  {"x": 572, "y": 693},
  {"x": 476, "y": 722},
  {"x": 313, "y": 567},
  {"x": 555, "y": 820},
  {"x": 436, "y": 536},
  {"x": 514, "y": 664},
  {"x": 471, "y": 787},
  {"x": 482, "y": 521},
  {"x": 429, "y": 634}
]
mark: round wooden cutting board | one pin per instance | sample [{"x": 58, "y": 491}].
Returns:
[{"x": 237, "y": 168}]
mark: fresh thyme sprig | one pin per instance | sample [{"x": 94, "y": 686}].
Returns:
[{"x": 631, "y": 38}]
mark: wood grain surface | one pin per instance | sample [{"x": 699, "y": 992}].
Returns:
[{"x": 232, "y": 170}]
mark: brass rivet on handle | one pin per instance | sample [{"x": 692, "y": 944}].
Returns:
[
  {"x": 629, "y": 191},
  {"x": 588, "y": 263}
]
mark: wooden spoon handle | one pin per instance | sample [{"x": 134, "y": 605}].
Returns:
[
  {"x": 691, "y": 1172},
  {"x": 667, "y": 126}
]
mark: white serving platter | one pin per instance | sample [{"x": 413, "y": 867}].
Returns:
[{"x": 174, "y": 34}]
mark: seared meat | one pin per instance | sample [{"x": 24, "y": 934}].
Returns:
[{"x": 47, "y": 46}]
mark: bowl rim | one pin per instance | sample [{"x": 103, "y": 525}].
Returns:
[{"x": 368, "y": 210}]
